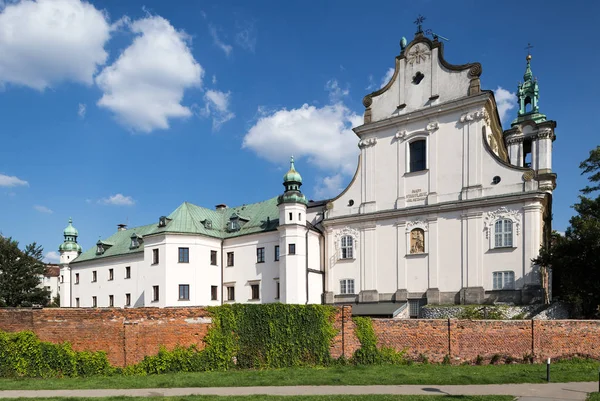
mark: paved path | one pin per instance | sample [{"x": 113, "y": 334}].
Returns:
[{"x": 524, "y": 392}]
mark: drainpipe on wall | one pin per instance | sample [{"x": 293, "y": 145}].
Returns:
[
  {"x": 222, "y": 270},
  {"x": 307, "y": 231}
]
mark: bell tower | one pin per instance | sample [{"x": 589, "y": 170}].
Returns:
[{"x": 529, "y": 141}]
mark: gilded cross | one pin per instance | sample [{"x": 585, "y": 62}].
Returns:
[
  {"x": 419, "y": 23},
  {"x": 528, "y": 48}
]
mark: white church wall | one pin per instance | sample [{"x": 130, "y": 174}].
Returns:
[{"x": 386, "y": 270}]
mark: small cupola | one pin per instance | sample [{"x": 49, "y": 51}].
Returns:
[
  {"x": 292, "y": 181},
  {"x": 70, "y": 242}
]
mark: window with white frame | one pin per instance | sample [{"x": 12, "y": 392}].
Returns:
[
  {"x": 503, "y": 280},
  {"x": 347, "y": 286},
  {"x": 503, "y": 233},
  {"x": 417, "y": 155},
  {"x": 346, "y": 247}
]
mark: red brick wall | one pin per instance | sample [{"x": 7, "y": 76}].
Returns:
[
  {"x": 127, "y": 335},
  {"x": 555, "y": 338},
  {"x": 427, "y": 337}
]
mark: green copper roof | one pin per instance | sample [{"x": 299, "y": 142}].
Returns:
[
  {"x": 70, "y": 230},
  {"x": 292, "y": 176},
  {"x": 68, "y": 246},
  {"x": 528, "y": 93},
  {"x": 196, "y": 220}
]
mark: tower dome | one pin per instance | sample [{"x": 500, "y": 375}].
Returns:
[
  {"x": 70, "y": 243},
  {"x": 292, "y": 176}
]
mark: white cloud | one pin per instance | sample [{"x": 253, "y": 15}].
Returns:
[
  {"x": 218, "y": 42},
  {"x": 145, "y": 85},
  {"x": 336, "y": 94},
  {"x": 51, "y": 257},
  {"x": 505, "y": 101},
  {"x": 46, "y": 42},
  {"x": 81, "y": 110},
  {"x": 246, "y": 35},
  {"x": 214, "y": 79},
  {"x": 216, "y": 105},
  {"x": 329, "y": 187},
  {"x": 384, "y": 80},
  {"x": 11, "y": 181},
  {"x": 323, "y": 135},
  {"x": 118, "y": 199},
  {"x": 43, "y": 209}
]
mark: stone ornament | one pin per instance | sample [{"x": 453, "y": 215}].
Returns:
[
  {"x": 400, "y": 134},
  {"x": 367, "y": 142},
  {"x": 411, "y": 225},
  {"x": 476, "y": 115},
  {"x": 528, "y": 175},
  {"x": 417, "y": 54},
  {"x": 432, "y": 126},
  {"x": 346, "y": 231},
  {"x": 502, "y": 213},
  {"x": 545, "y": 133}
]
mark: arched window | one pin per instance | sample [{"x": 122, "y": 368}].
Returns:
[
  {"x": 417, "y": 152},
  {"x": 347, "y": 247},
  {"x": 503, "y": 233},
  {"x": 417, "y": 241}
]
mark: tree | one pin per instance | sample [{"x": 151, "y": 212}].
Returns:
[
  {"x": 20, "y": 274},
  {"x": 575, "y": 257}
]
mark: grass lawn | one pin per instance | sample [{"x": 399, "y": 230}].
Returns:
[
  {"x": 295, "y": 398},
  {"x": 564, "y": 371},
  {"x": 594, "y": 397}
]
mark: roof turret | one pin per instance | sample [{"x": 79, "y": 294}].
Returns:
[
  {"x": 292, "y": 181},
  {"x": 70, "y": 242}
]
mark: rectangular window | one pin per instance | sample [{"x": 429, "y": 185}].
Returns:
[
  {"x": 276, "y": 253},
  {"x": 346, "y": 246},
  {"x": 291, "y": 249},
  {"x": 255, "y": 291},
  {"x": 155, "y": 293},
  {"x": 231, "y": 293},
  {"x": 347, "y": 286},
  {"x": 184, "y": 255},
  {"x": 299, "y": 216},
  {"x": 94, "y": 276},
  {"x": 277, "y": 290},
  {"x": 127, "y": 299},
  {"x": 229, "y": 258},
  {"x": 291, "y": 218},
  {"x": 503, "y": 280},
  {"x": 260, "y": 255},
  {"x": 155, "y": 256},
  {"x": 62, "y": 279},
  {"x": 111, "y": 301},
  {"x": 76, "y": 278},
  {"x": 214, "y": 292},
  {"x": 417, "y": 151},
  {"x": 213, "y": 258},
  {"x": 77, "y": 302},
  {"x": 127, "y": 271},
  {"x": 111, "y": 274},
  {"x": 94, "y": 302},
  {"x": 184, "y": 292}
]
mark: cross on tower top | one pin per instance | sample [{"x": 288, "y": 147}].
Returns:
[
  {"x": 419, "y": 23},
  {"x": 528, "y": 48}
]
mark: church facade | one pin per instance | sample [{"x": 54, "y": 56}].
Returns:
[{"x": 445, "y": 207}]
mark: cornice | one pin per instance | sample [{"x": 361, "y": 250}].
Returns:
[
  {"x": 449, "y": 206},
  {"x": 430, "y": 112}
]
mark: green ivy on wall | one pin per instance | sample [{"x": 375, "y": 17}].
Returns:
[{"x": 369, "y": 353}]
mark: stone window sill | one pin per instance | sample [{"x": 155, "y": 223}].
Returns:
[
  {"x": 415, "y": 173},
  {"x": 416, "y": 255}
]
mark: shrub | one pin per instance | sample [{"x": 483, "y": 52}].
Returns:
[
  {"x": 368, "y": 353},
  {"x": 24, "y": 355},
  {"x": 495, "y": 359},
  {"x": 479, "y": 360}
]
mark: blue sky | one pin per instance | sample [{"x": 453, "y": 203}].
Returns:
[{"x": 117, "y": 112}]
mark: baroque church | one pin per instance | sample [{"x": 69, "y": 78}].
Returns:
[{"x": 445, "y": 207}]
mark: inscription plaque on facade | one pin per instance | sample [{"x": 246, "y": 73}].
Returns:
[{"x": 416, "y": 195}]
